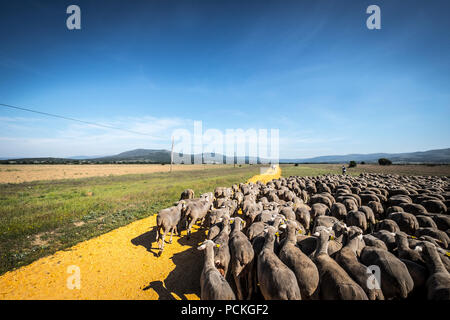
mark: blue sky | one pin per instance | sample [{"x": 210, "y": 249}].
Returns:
[{"x": 308, "y": 68}]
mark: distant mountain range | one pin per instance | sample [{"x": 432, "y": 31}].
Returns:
[
  {"x": 431, "y": 156},
  {"x": 153, "y": 155},
  {"x": 163, "y": 156}
]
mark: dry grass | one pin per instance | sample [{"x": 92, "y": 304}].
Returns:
[{"x": 37, "y": 172}]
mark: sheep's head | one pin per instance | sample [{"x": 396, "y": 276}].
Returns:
[
  {"x": 181, "y": 205},
  {"x": 207, "y": 243},
  {"x": 270, "y": 231},
  {"x": 324, "y": 233},
  {"x": 353, "y": 232}
]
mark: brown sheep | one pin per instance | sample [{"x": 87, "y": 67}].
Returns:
[
  {"x": 187, "y": 194},
  {"x": 305, "y": 270}
]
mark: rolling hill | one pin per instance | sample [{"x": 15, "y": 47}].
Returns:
[
  {"x": 431, "y": 156},
  {"x": 163, "y": 156}
]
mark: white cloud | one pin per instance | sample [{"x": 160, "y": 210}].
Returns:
[
  {"x": 78, "y": 139},
  {"x": 84, "y": 139}
]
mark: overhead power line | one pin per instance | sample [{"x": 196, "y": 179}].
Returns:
[{"x": 73, "y": 119}]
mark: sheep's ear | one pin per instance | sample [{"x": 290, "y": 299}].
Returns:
[
  {"x": 202, "y": 247},
  {"x": 316, "y": 234},
  {"x": 360, "y": 237},
  {"x": 418, "y": 248},
  {"x": 283, "y": 226}
]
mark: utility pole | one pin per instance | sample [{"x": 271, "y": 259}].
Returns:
[{"x": 171, "y": 156}]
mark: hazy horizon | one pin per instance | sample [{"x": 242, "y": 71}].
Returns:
[{"x": 238, "y": 155}]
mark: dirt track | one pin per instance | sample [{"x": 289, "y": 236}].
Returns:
[{"x": 121, "y": 264}]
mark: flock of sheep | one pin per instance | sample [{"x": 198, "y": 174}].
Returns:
[{"x": 332, "y": 237}]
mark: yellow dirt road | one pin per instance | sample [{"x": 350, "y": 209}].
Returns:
[
  {"x": 267, "y": 174},
  {"x": 121, "y": 264}
]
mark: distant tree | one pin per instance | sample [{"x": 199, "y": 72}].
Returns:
[
  {"x": 296, "y": 164},
  {"x": 362, "y": 162},
  {"x": 352, "y": 164},
  {"x": 384, "y": 162}
]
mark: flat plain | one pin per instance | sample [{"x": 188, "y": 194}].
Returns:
[{"x": 42, "y": 216}]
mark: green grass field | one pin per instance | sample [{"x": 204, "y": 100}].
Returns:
[{"x": 41, "y": 217}]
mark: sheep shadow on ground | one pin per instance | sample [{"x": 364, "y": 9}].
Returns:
[
  {"x": 184, "y": 279},
  {"x": 148, "y": 241},
  {"x": 159, "y": 288}
]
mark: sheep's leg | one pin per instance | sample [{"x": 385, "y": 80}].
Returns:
[
  {"x": 186, "y": 218},
  {"x": 237, "y": 279},
  {"x": 255, "y": 279},
  {"x": 249, "y": 275},
  {"x": 161, "y": 245},
  {"x": 171, "y": 234},
  {"x": 225, "y": 269},
  {"x": 189, "y": 228}
]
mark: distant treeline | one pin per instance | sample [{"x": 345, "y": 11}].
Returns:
[
  {"x": 73, "y": 161},
  {"x": 143, "y": 161}
]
